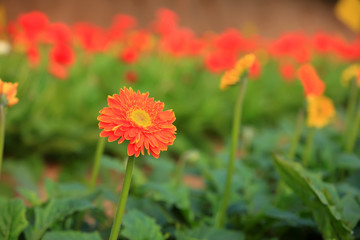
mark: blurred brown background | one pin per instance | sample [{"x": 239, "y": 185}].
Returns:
[{"x": 271, "y": 17}]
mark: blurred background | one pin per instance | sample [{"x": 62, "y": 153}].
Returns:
[{"x": 269, "y": 18}]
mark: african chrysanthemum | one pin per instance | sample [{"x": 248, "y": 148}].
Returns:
[
  {"x": 232, "y": 76},
  {"x": 320, "y": 111},
  {"x": 135, "y": 117},
  {"x": 8, "y": 92}
]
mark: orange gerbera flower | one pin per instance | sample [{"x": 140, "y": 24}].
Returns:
[
  {"x": 320, "y": 111},
  {"x": 312, "y": 84},
  {"x": 135, "y": 117},
  {"x": 233, "y": 76},
  {"x": 8, "y": 93}
]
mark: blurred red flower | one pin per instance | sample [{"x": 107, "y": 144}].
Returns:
[
  {"x": 59, "y": 33},
  {"x": 255, "y": 69},
  {"x": 287, "y": 71},
  {"x": 33, "y": 24},
  {"x": 33, "y": 55},
  {"x": 177, "y": 43},
  {"x": 92, "y": 38},
  {"x": 219, "y": 61},
  {"x": 129, "y": 55},
  {"x": 166, "y": 21},
  {"x": 131, "y": 76},
  {"x": 61, "y": 57},
  {"x": 120, "y": 24}
]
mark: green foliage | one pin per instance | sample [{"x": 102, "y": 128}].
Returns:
[
  {"x": 319, "y": 196},
  {"x": 55, "y": 210},
  {"x": 70, "y": 235},
  {"x": 172, "y": 195},
  {"x": 138, "y": 226},
  {"x": 207, "y": 233},
  {"x": 12, "y": 219}
]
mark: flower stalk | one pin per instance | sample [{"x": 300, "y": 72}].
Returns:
[
  {"x": 97, "y": 160},
  {"x": 2, "y": 133},
  {"x": 308, "y": 146},
  {"x": 220, "y": 217},
  {"x": 297, "y": 133},
  {"x": 350, "y": 111},
  {"x": 353, "y": 133},
  {"x": 123, "y": 197}
]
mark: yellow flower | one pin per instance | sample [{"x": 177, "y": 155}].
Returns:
[
  {"x": 8, "y": 93},
  {"x": 320, "y": 111},
  {"x": 233, "y": 76},
  {"x": 350, "y": 73},
  {"x": 348, "y": 11}
]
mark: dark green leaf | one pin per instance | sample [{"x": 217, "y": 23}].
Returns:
[
  {"x": 54, "y": 210},
  {"x": 348, "y": 161},
  {"x": 207, "y": 233},
  {"x": 71, "y": 235},
  {"x": 138, "y": 226},
  {"x": 320, "y": 197},
  {"x": 12, "y": 219}
]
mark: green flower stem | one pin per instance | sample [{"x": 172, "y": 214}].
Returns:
[
  {"x": 123, "y": 197},
  {"x": 97, "y": 160},
  {"x": 297, "y": 133},
  {"x": 350, "y": 111},
  {"x": 179, "y": 171},
  {"x": 353, "y": 133},
  {"x": 220, "y": 217},
  {"x": 309, "y": 146},
  {"x": 2, "y": 133}
]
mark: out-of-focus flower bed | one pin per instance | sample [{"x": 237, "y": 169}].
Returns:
[{"x": 264, "y": 146}]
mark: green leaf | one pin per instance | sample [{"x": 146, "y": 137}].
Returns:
[
  {"x": 54, "y": 210},
  {"x": 30, "y": 195},
  {"x": 320, "y": 197},
  {"x": 172, "y": 195},
  {"x": 288, "y": 217},
  {"x": 71, "y": 235},
  {"x": 348, "y": 161},
  {"x": 113, "y": 164},
  {"x": 61, "y": 190},
  {"x": 351, "y": 210},
  {"x": 138, "y": 226},
  {"x": 12, "y": 219},
  {"x": 207, "y": 233}
]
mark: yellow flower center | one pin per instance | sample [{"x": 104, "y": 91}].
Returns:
[{"x": 141, "y": 118}]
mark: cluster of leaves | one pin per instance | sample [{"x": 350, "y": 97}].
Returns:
[{"x": 272, "y": 197}]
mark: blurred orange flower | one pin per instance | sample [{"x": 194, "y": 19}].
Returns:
[
  {"x": 233, "y": 76},
  {"x": 320, "y": 111},
  {"x": 312, "y": 84},
  {"x": 135, "y": 117},
  {"x": 8, "y": 91}
]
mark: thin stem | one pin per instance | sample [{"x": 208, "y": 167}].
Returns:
[
  {"x": 97, "y": 160},
  {"x": 309, "y": 146},
  {"x": 353, "y": 133},
  {"x": 350, "y": 111},
  {"x": 179, "y": 171},
  {"x": 220, "y": 217},
  {"x": 2, "y": 133},
  {"x": 296, "y": 137},
  {"x": 123, "y": 197}
]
